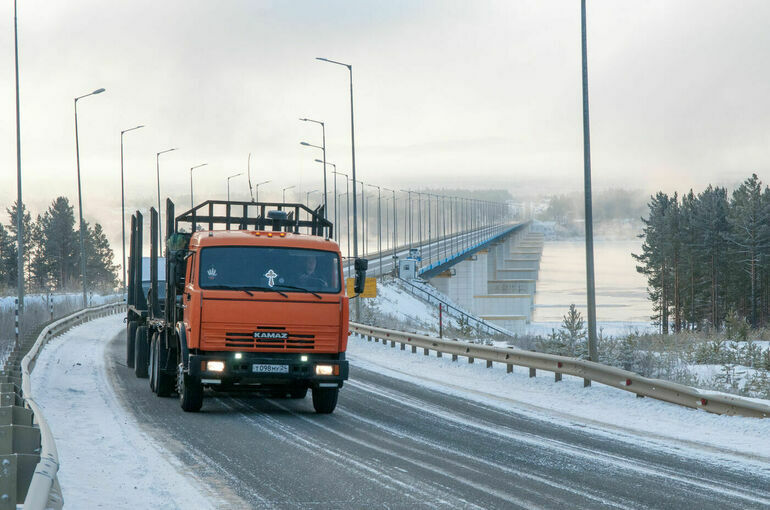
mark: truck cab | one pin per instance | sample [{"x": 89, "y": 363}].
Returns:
[{"x": 265, "y": 308}]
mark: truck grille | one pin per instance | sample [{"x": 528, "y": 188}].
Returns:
[{"x": 272, "y": 338}]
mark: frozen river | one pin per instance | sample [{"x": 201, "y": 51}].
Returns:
[{"x": 621, "y": 292}]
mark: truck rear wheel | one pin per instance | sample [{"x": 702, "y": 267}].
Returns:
[
  {"x": 190, "y": 391},
  {"x": 325, "y": 399},
  {"x": 130, "y": 335},
  {"x": 162, "y": 382},
  {"x": 141, "y": 352}
]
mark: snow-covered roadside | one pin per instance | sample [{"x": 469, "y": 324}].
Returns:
[
  {"x": 72, "y": 386},
  {"x": 599, "y": 409}
]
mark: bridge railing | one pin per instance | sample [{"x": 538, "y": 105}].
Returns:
[
  {"x": 588, "y": 370},
  {"x": 32, "y": 447}
]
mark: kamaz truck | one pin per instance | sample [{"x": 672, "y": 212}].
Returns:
[{"x": 253, "y": 300}]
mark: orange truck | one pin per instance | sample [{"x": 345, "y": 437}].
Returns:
[{"x": 253, "y": 300}]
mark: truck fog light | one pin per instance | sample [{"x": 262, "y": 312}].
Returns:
[
  {"x": 238, "y": 355},
  {"x": 324, "y": 370},
  {"x": 303, "y": 358},
  {"x": 215, "y": 366}
]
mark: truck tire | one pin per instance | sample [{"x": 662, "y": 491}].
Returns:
[
  {"x": 190, "y": 392},
  {"x": 152, "y": 362},
  {"x": 130, "y": 335},
  {"x": 325, "y": 399},
  {"x": 163, "y": 382},
  {"x": 141, "y": 352}
]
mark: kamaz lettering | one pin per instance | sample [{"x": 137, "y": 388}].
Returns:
[{"x": 265, "y": 334}]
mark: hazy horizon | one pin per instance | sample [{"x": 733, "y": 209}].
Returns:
[{"x": 473, "y": 95}]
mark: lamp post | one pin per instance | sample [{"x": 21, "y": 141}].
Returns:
[
  {"x": 307, "y": 197},
  {"x": 228, "y": 184},
  {"x": 408, "y": 215},
  {"x": 257, "y": 187},
  {"x": 192, "y": 202},
  {"x": 283, "y": 193},
  {"x": 395, "y": 224},
  {"x": 353, "y": 166},
  {"x": 336, "y": 216},
  {"x": 160, "y": 211},
  {"x": 379, "y": 223},
  {"x": 19, "y": 201},
  {"x": 323, "y": 148},
  {"x": 123, "y": 203},
  {"x": 80, "y": 199},
  {"x": 347, "y": 209},
  {"x": 590, "y": 284}
]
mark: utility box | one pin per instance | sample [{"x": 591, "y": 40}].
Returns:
[{"x": 407, "y": 268}]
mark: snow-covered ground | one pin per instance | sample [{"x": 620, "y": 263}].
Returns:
[
  {"x": 106, "y": 459},
  {"x": 602, "y": 409}
]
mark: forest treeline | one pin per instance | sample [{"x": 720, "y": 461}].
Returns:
[
  {"x": 706, "y": 256},
  {"x": 52, "y": 251},
  {"x": 613, "y": 204}
]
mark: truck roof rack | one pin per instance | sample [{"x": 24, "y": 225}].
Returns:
[{"x": 229, "y": 215}]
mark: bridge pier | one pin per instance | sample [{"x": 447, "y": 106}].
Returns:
[{"x": 498, "y": 282}]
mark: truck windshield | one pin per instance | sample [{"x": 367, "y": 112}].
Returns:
[{"x": 260, "y": 267}]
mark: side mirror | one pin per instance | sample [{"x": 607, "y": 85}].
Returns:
[{"x": 361, "y": 266}]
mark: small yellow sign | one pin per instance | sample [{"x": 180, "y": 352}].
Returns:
[{"x": 370, "y": 288}]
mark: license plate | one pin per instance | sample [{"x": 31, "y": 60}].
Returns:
[{"x": 270, "y": 369}]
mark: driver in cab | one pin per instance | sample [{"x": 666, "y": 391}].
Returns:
[{"x": 309, "y": 277}]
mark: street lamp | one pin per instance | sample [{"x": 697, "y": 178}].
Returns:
[
  {"x": 80, "y": 199},
  {"x": 336, "y": 217},
  {"x": 257, "y": 187},
  {"x": 323, "y": 148},
  {"x": 379, "y": 223},
  {"x": 192, "y": 202},
  {"x": 283, "y": 193},
  {"x": 19, "y": 201},
  {"x": 157, "y": 172},
  {"x": 228, "y": 184},
  {"x": 123, "y": 202},
  {"x": 353, "y": 167},
  {"x": 307, "y": 197},
  {"x": 395, "y": 228},
  {"x": 347, "y": 210}
]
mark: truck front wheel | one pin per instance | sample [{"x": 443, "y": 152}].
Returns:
[
  {"x": 190, "y": 391},
  {"x": 325, "y": 399},
  {"x": 141, "y": 352}
]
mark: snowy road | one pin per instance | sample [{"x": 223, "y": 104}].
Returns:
[{"x": 396, "y": 444}]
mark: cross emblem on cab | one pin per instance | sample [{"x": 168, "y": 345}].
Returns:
[{"x": 271, "y": 276}]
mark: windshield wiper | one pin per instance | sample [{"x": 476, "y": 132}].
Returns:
[
  {"x": 292, "y": 287},
  {"x": 247, "y": 290}
]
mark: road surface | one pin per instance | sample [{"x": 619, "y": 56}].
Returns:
[{"x": 393, "y": 444}]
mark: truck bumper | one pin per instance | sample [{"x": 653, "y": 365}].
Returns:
[{"x": 269, "y": 369}]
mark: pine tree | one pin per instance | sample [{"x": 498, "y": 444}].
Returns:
[
  {"x": 100, "y": 267},
  {"x": 60, "y": 245},
  {"x": 749, "y": 238},
  {"x": 8, "y": 265},
  {"x": 711, "y": 228},
  {"x": 654, "y": 262}
]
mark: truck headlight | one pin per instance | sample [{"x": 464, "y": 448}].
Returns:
[
  {"x": 327, "y": 370},
  {"x": 215, "y": 366}
]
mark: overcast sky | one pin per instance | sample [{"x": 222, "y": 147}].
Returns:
[{"x": 469, "y": 94}]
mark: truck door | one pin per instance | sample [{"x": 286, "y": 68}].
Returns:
[{"x": 192, "y": 304}]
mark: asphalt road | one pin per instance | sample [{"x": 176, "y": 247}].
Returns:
[{"x": 393, "y": 444}]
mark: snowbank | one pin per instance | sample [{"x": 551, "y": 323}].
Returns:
[{"x": 71, "y": 384}]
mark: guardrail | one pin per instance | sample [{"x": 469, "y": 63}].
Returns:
[
  {"x": 588, "y": 370},
  {"x": 25, "y": 447}
]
